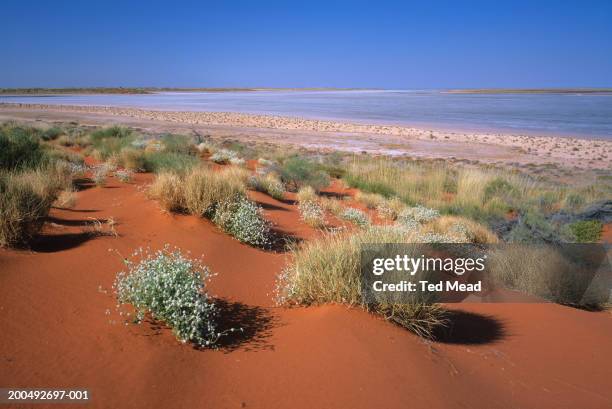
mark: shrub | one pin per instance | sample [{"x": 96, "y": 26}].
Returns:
[
  {"x": 306, "y": 194},
  {"x": 327, "y": 270},
  {"x": 100, "y": 173},
  {"x": 172, "y": 289},
  {"x": 124, "y": 175},
  {"x": 177, "y": 144},
  {"x": 334, "y": 206},
  {"x": 355, "y": 216},
  {"x": 110, "y": 141},
  {"x": 223, "y": 156},
  {"x": 132, "y": 159},
  {"x": 66, "y": 199},
  {"x": 543, "y": 271},
  {"x": 22, "y": 207},
  {"x": 419, "y": 214},
  {"x": 168, "y": 161},
  {"x": 52, "y": 133},
  {"x": 586, "y": 231},
  {"x": 269, "y": 184},
  {"x": 390, "y": 209},
  {"x": 460, "y": 229},
  {"x": 312, "y": 213},
  {"x": 298, "y": 172},
  {"x": 243, "y": 219},
  {"x": 167, "y": 189},
  {"x": 20, "y": 148}
]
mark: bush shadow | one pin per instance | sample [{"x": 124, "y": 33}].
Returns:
[
  {"x": 252, "y": 326},
  {"x": 468, "y": 328},
  {"x": 282, "y": 241},
  {"x": 59, "y": 242}
]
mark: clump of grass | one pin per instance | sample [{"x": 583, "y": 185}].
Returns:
[
  {"x": 100, "y": 173},
  {"x": 269, "y": 184},
  {"x": 390, "y": 209},
  {"x": 306, "y": 194},
  {"x": 297, "y": 172},
  {"x": 312, "y": 213},
  {"x": 204, "y": 190},
  {"x": 156, "y": 162},
  {"x": 171, "y": 288},
  {"x": 586, "y": 231},
  {"x": 20, "y": 148},
  {"x": 66, "y": 199},
  {"x": 355, "y": 216},
  {"x": 327, "y": 270},
  {"x": 132, "y": 159},
  {"x": 460, "y": 229},
  {"x": 167, "y": 189},
  {"x": 25, "y": 201},
  {"x": 332, "y": 205},
  {"x": 370, "y": 200},
  {"x": 243, "y": 219}
]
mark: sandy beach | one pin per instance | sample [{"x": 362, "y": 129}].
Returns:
[{"x": 503, "y": 148}]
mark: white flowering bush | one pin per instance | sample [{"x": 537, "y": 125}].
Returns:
[
  {"x": 420, "y": 214},
  {"x": 237, "y": 161},
  {"x": 355, "y": 216},
  {"x": 124, "y": 175},
  {"x": 223, "y": 156},
  {"x": 170, "y": 288},
  {"x": 312, "y": 213},
  {"x": 243, "y": 219}
]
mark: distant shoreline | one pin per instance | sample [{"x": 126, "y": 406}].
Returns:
[
  {"x": 153, "y": 90},
  {"x": 356, "y": 137}
]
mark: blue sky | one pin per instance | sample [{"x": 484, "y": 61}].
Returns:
[{"x": 386, "y": 44}]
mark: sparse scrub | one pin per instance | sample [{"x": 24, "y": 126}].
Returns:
[
  {"x": 132, "y": 159},
  {"x": 460, "y": 228},
  {"x": 312, "y": 213},
  {"x": 297, "y": 172},
  {"x": 171, "y": 288},
  {"x": 124, "y": 175},
  {"x": 586, "y": 231},
  {"x": 390, "y": 209},
  {"x": 306, "y": 194},
  {"x": 355, "y": 216},
  {"x": 269, "y": 184},
  {"x": 334, "y": 206},
  {"x": 168, "y": 161},
  {"x": 223, "y": 156},
  {"x": 327, "y": 270},
  {"x": 370, "y": 200}
]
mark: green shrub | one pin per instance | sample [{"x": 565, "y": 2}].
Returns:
[
  {"x": 168, "y": 161},
  {"x": 177, "y": 144},
  {"x": 243, "y": 219},
  {"x": 298, "y": 172},
  {"x": 586, "y": 231},
  {"x": 51, "y": 133},
  {"x": 499, "y": 187},
  {"x": 20, "y": 148},
  {"x": 172, "y": 289},
  {"x": 108, "y": 142}
]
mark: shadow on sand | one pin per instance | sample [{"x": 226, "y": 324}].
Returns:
[
  {"x": 470, "y": 329},
  {"x": 255, "y": 324}
]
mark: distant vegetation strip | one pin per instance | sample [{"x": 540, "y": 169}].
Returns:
[
  {"x": 149, "y": 90},
  {"x": 531, "y": 91}
]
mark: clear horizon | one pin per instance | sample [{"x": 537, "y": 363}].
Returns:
[{"x": 389, "y": 45}]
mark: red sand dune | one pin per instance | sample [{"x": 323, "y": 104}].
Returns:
[{"x": 57, "y": 333}]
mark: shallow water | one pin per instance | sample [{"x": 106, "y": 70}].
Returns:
[{"x": 548, "y": 114}]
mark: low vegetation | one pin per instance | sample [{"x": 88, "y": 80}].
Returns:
[{"x": 171, "y": 288}]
